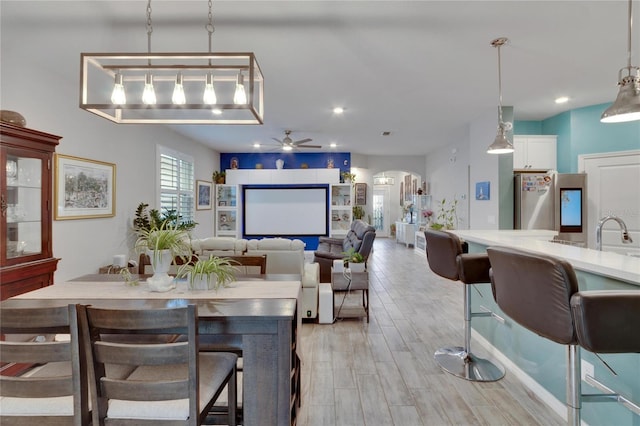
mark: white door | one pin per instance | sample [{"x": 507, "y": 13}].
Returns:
[
  {"x": 381, "y": 212},
  {"x": 612, "y": 189}
]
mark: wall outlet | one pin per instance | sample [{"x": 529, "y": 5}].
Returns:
[{"x": 586, "y": 368}]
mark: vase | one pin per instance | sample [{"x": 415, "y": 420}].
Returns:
[
  {"x": 279, "y": 163},
  {"x": 161, "y": 263},
  {"x": 202, "y": 282},
  {"x": 356, "y": 267}
]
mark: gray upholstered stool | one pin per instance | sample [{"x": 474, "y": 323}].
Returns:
[
  {"x": 446, "y": 258},
  {"x": 525, "y": 285}
]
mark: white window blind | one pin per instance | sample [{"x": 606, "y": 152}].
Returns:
[{"x": 176, "y": 184}]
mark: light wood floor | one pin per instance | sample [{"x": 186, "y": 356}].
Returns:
[{"x": 383, "y": 373}]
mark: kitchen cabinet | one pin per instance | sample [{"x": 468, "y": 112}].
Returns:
[
  {"x": 535, "y": 152},
  {"x": 26, "y": 254}
]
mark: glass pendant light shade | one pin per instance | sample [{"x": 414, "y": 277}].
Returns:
[
  {"x": 627, "y": 105},
  {"x": 209, "y": 97},
  {"x": 240, "y": 97},
  {"x": 178, "y": 97},
  {"x": 149, "y": 94},
  {"x": 118, "y": 96},
  {"x": 501, "y": 144}
]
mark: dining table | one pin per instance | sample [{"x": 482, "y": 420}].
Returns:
[{"x": 257, "y": 313}]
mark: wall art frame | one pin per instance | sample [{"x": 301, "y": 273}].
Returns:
[
  {"x": 83, "y": 188},
  {"x": 203, "y": 194}
]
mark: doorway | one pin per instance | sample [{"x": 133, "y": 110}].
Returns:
[{"x": 381, "y": 211}]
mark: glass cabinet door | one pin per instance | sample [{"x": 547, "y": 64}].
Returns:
[{"x": 22, "y": 204}]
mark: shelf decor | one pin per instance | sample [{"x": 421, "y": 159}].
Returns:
[{"x": 83, "y": 188}]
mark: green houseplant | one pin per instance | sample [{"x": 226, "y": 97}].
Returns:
[
  {"x": 148, "y": 219},
  {"x": 348, "y": 177},
  {"x": 207, "y": 274},
  {"x": 358, "y": 212},
  {"x": 162, "y": 244},
  {"x": 219, "y": 177},
  {"x": 354, "y": 259},
  {"x": 446, "y": 217}
]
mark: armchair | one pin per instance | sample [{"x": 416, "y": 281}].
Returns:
[{"x": 360, "y": 237}]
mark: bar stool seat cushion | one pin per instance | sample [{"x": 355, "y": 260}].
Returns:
[{"x": 607, "y": 321}]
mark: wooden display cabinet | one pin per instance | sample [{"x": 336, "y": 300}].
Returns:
[{"x": 26, "y": 254}]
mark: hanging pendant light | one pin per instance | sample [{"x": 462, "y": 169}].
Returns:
[
  {"x": 627, "y": 105},
  {"x": 173, "y": 88},
  {"x": 501, "y": 144}
]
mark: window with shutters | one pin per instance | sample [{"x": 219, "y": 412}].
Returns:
[{"x": 176, "y": 184}]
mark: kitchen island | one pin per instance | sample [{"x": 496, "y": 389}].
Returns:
[{"x": 540, "y": 363}]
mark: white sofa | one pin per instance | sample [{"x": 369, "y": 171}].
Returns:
[{"x": 284, "y": 256}]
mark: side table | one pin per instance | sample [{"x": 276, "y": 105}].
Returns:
[{"x": 341, "y": 282}]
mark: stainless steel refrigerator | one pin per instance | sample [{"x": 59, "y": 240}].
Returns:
[{"x": 553, "y": 201}]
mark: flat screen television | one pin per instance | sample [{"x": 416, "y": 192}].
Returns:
[
  {"x": 285, "y": 210},
  {"x": 571, "y": 210}
]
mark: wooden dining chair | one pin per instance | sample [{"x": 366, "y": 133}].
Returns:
[
  {"x": 54, "y": 390},
  {"x": 171, "y": 384},
  {"x": 249, "y": 264},
  {"x": 144, "y": 263}
]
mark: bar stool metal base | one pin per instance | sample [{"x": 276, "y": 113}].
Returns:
[{"x": 455, "y": 360}]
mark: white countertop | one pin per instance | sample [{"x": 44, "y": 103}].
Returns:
[{"x": 609, "y": 264}]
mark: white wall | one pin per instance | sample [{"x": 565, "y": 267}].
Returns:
[{"x": 50, "y": 104}]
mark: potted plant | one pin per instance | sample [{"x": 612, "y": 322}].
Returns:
[
  {"x": 446, "y": 217},
  {"x": 358, "y": 212},
  {"x": 348, "y": 177},
  {"x": 354, "y": 259},
  {"x": 154, "y": 219},
  {"x": 219, "y": 177},
  {"x": 208, "y": 274},
  {"x": 162, "y": 244}
]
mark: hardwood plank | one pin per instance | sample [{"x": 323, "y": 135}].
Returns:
[
  {"x": 374, "y": 407},
  {"x": 348, "y": 407}
]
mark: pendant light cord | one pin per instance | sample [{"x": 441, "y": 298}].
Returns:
[
  {"x": 629, "y": 38},
  {"x": 209, "y": 27},
  {"x": 149, "y": 29},
  {"x": 499, "y": 88}
]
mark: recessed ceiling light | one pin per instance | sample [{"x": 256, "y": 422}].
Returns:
[
  {"x": 216, "y": 111},
  {"x": 338, "y": 110},
  {"x": 333, "y": 144},
  {"x": 562, "y": 100},
  {"x": 256, "y": 145}
]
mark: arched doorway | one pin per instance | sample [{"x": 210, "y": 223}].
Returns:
[{"x": 393, "y": 192}]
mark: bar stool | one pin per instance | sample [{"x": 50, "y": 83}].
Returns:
[
  {"x": 447, "y": 259},
  {"x": 525, "y": 285}
]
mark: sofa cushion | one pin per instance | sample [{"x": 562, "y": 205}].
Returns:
[
  {"x": 275, "y": 244},
  {"x": 219, "y": 246}
]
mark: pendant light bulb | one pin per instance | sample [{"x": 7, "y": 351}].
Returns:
[
  {"x": 209, "y": 96},
  {"x": 149, "y": 94},
  {"x": 118, "y": 96},
  {"x": 178, "y": 97},
  {"x": 240, "y": 97}
]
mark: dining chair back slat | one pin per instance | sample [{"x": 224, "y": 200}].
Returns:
[
  {"x": 53, "y": 391},
  {"x": 170, "y": 384}
]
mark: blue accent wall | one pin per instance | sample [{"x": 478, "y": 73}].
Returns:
[
  {"x": 581, "y": 132},
  {"x": 292, "y": 160}
]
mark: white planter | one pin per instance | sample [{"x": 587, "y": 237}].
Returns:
[
  {"x": 161, "y": 263},
  {"x": 356, "y": 267},
  {"x": 202, "y": 282}
]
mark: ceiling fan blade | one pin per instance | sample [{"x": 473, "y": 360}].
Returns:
[
  {"x": 308, "y": 146},
  {"x": 302, "y": 141},
  {"x": 278, "y": 140}
]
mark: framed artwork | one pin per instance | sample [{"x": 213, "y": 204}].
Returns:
[
  {"x": 203, "y": 195},
  {"x": 401, "y": 194},
  {"x": 483, "y": 190},
  {"x": 407, "y": 188},
  {"x": 83, "y": 188},
  {"x": 361, "y": 194},
  {"x": 414, "y": 186}
]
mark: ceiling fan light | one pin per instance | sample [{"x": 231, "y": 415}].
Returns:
[
  {"x": 287, "y": 147},
  {"x": 627, "y": 105}
]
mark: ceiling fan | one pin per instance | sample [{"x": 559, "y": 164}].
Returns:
[{"x": 288, "y": 144}]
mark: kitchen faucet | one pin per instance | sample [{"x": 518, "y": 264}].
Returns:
[{"x": 626, "y": 238}]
